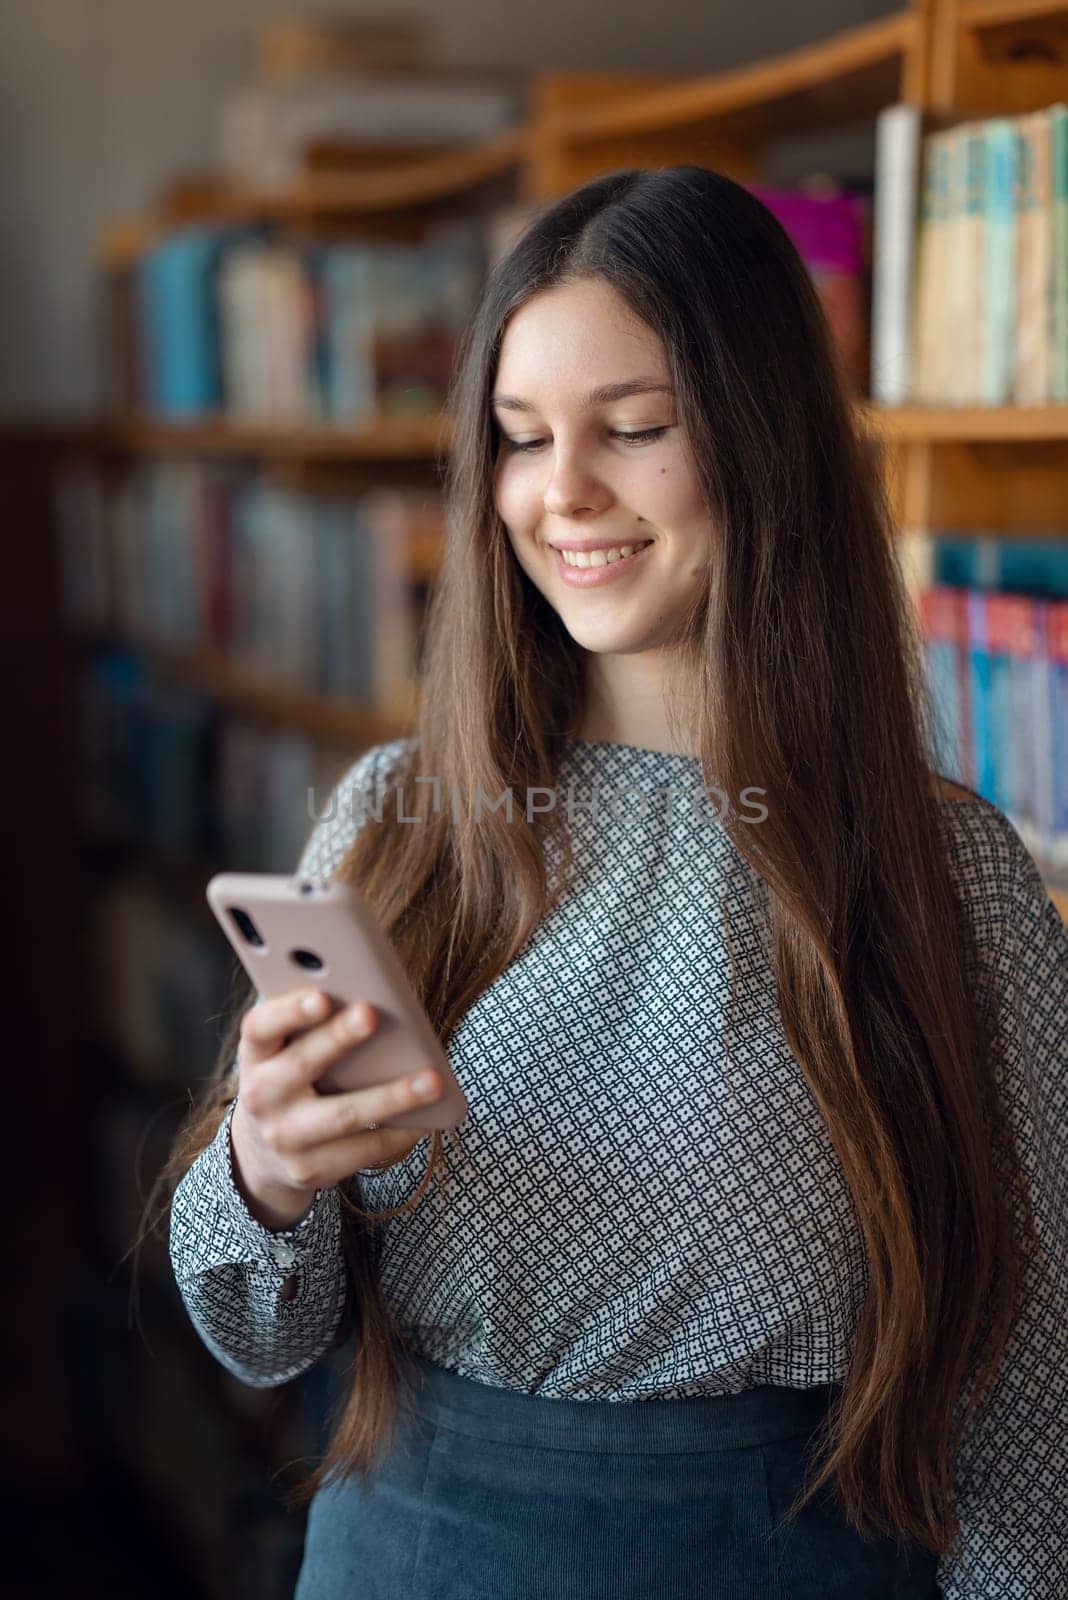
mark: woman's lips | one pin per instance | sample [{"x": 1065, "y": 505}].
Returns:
[{"x": 592, "y": 577}]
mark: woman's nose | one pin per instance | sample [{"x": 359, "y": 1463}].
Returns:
[{"x": 572, "y": 489}]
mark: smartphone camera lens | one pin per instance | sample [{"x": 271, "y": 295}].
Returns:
[
  {"x": 246, "y": 927},
  {"x": 306, "y": 959}
]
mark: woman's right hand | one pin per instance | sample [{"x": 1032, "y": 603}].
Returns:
[{"x": 286, "y": 1139}]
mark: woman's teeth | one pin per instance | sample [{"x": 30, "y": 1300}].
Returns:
[{"x": 600, "y": 558}]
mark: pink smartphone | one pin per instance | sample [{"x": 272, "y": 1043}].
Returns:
[{"x": 289, "y": 932}]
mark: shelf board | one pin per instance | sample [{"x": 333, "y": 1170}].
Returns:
[
  {"x": 342, "y": 722},
  {"x": 847, "y": 77},
  {"x": 428, "y": 439},
  {"x": 968, "y": 424},
  {"x": 392, "y": 439},
  {"x": 981, "y": 15},
  {"x": 394, "y": 187}
]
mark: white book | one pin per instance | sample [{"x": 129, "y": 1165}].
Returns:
[
  {"x": 264, "y": 132},
  {"x": 1034, "y": 260},
  {"x": 929, "y": 334},
  {"x": 287, "y": 333},
  {"x": 897, "y": 179},
  {"x": 243, "y": 313},
  {"x": 967, "y": 286}
]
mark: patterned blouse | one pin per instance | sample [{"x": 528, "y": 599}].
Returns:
[{"x": 644, "y": 1200}]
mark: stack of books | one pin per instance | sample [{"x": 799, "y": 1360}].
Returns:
[
  {"x": 326, "y": 594},
  {"x": 970, "y": 292},
  {"x": 224, "y": 320},
  {"x": 168, "y": 768},
  {"x": 995, "y": 622},
  {"x": 830, "y": 225}
]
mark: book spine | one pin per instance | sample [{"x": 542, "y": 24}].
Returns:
[
  {"x": 897, "y": 160},
  {"x": 999, "y": 264},
  {"x": 1042, "y": 731},
  {"x": 1057, "y": 651},
  {"x": 349, "y": 313},
  {"x": 1031, "y": 374},
  {"x": 964, "y": 285},
  {"x": 1059, "y": 250},
  {"x": 999, "y": 707},
  {"x": 182, "y": 326},
  {"x": 1020, "y": 617},
  {"x": 979, "y": 695}
]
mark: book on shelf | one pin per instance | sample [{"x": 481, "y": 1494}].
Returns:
[
  {"x": 830, "y": 227},
  {"x": 1059, "y": 248},
  {"x": 269, "y": 133},
  {"x": 178, "y": 323},
  {"x": 266, "y": 318},
  {"x": 1034, "y": 282},
  {"x": 997, "y": 661},
  {"x": 295, "y": 48},
  {"x": 236, "y": 323},
  {"x": 324, "y": 594},
  {"x": 897, "y": 166},
  {"x": 159, "y": 981},
  {"x": 970, "y": 295},
  {"x": 169, "y": 771},
  {"x": 928, "y": 344},
  {"x": 997, "y": 313}
]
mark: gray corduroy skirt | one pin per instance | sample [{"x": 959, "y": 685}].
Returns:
[{"x": 492, "y": 1494}]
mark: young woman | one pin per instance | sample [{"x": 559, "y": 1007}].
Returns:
[{"x": 746, "y": 1274}]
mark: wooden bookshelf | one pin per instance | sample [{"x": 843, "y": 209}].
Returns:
[
  {"x": 331, "y": 721},
  {"x": 415, "y": 439},
  {"x": 995, "y": 468},
  {"x": 428, "y": 439},
  {"x": 997, "y": 57},
  {"x": 415, "y": 185},
  {"x": 969, "y": 424},
  {"x": 999, "y": 468},
  {"x": 993, "y": 16},
  {"x": 838, "y": 81}
]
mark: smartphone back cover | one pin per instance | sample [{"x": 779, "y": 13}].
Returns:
[{"x": 301, "y": 921}]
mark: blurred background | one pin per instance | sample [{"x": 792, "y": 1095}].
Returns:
[{"x": 238, "y": 246}]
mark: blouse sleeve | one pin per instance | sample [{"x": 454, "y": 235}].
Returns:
[
  {"x": 1012, "y": 1465},
  {"x": 268, "y": 1303}
]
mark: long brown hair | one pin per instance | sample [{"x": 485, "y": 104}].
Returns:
[{"x": 803, "y": 674}]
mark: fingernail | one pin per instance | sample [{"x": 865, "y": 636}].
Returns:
[
  {"x": 312, "y": 1004},
  {"x": 425, "y": 1085}
]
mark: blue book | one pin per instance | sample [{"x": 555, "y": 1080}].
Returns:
[
  {"x": 983, "y": 750},
  {"x": 1016, "y": 566},
  {"x": 999, "y": 265},
  {"x": 349, "y": 307},
  {"x": 999, "y": 705},
  {"x": 180, "y": 328},
  {"x": 363, "y": 618},
  {"x": 1056, "y": 656}
]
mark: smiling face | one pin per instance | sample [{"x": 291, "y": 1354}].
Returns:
[{"x": 591, "y": 457}]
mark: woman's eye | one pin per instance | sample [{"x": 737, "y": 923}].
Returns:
[{"x": 643, "y": 436}]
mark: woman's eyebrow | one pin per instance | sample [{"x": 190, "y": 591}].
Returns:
[{"x": 596, "y": 397}]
